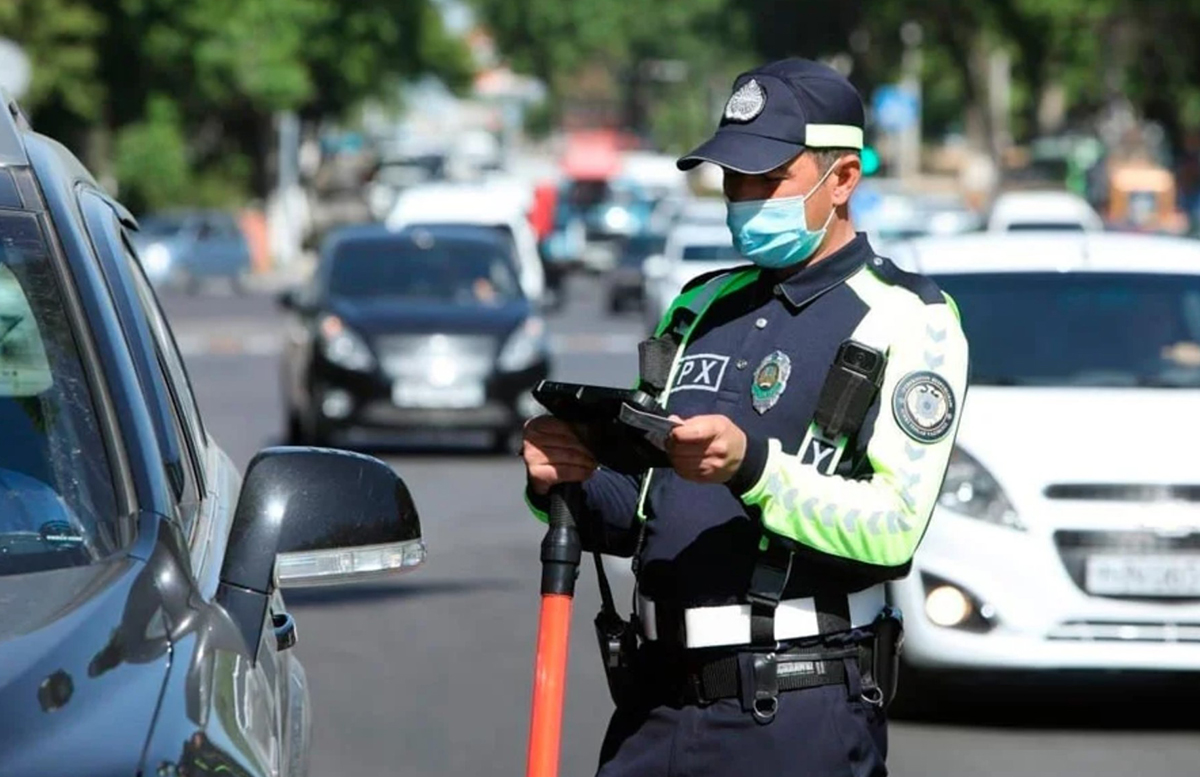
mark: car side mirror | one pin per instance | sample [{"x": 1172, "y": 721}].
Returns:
[
  {"x": 655, "y": 267},
  {"x": 313, "y": 516}
]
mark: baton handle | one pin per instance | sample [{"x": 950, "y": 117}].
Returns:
[{"x": 561, "y": 547}]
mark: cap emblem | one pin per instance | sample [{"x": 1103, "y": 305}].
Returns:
[{"x": 747, "y": 102}]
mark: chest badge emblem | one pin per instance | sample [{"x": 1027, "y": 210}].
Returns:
[{"x": 770, "y": 380}]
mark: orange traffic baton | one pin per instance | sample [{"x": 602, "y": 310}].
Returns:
[{"x": 561, "y": 551}]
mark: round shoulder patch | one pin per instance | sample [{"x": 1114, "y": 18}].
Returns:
[{"x": 924, "y": 406}]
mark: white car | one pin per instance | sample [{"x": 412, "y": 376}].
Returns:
[
  {"x": 703, "y": 210},
  {"x": 1043, "y": 211},
  {"x": 1067, "y": 535},
  {"x": 690, "y": 250},
  {"x": 484, "y": 204}
]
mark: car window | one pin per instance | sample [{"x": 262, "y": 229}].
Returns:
[
  {"x": 160, "y": 226},
  {"x": 1080, "y": 329},
  {"x": 639, "y": 248},
  {"x": 503, "y": 232},
  {"x": 462, "y": 272},
  {"x": 222, "y": 225},
  {"x": 184, "y": 399},
  {"x": 58, "y": 504}
]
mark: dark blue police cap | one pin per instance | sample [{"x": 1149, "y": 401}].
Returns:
[{"x": 777, "y": 111}]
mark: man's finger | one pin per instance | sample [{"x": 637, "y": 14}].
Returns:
[
  {"x": 562, "y": 433},
  {"x": 539, "y": 454},
  {"x": 695, "y": 430},
  {"x": 561, "y": 473}
]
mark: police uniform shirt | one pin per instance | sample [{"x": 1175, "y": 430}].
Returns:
[{"x": 760, "y": 355}]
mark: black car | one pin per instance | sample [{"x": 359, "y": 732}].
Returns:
[
  {"x": 625, "y": 281},
  {"x": 142, "y": 630},
  {"x": 419, "y": 329}
]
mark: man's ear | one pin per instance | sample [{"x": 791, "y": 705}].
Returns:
[{"x": 845, "y": 178}]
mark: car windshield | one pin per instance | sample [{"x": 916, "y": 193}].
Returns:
[
  {"x": 710, "y": 253},
  {"x": 638, "y": 248},
  {"x": 58, "y": 504},
  {"x": 1080, "y": 329},
  {"x": 161, "y": 225},
  {"x": 451, "y": 271}
]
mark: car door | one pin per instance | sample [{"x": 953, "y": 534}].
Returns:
[
  {"x": 301, "y": 322},
  {"x": 250, "y": 700}
]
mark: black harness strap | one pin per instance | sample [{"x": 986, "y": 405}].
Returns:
[
  {"x": 767, "y": 583},
  {"x": 845, "y": 404},
  {"x": 608, "y": 606},
  {"x": 656, "y": 355},
  {"x": 833, "y": 612}
]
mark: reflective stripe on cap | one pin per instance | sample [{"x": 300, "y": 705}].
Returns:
[{"x": 833, "y": 136}]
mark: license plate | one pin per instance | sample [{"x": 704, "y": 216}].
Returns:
[
  {"x": 1150, "y": 575},
  {"x": 422, "y": 395}
]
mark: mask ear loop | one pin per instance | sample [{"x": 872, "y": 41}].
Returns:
[
  {"x": 825, "y": 227},
  {"x": 822, "y": 180}
]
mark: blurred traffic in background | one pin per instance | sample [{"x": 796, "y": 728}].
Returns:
[{"x": 379, "y": 225}]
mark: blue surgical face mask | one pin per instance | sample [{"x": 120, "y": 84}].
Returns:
[{"x": 774, "y": 233}]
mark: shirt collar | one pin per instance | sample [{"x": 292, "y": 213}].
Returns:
[{"x": 811, "y": 282}]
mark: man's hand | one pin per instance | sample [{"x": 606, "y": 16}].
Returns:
[
  {"x": 707, "y": 449},
  {"x": 553, "y": 455}
]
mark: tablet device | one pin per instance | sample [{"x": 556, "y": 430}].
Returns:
[{"x": 625, "y": 429}]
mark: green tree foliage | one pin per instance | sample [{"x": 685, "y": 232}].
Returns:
[
  {"x": 176, "y": 97},
  {"x": 556, "y": 41},
  {"x": 59, "y": 36},
  {"x": 1094, "y": 50}
]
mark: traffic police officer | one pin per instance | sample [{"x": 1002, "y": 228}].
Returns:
[{"x": 820, "y": 389}]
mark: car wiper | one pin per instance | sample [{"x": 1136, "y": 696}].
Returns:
[
  {"x": 1164, "y": 381},
  {"x": 1102, "y": 379},
  {"x": 1000, "y": 381}
]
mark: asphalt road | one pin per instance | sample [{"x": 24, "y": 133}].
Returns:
[{"x": 431, "y": 675}]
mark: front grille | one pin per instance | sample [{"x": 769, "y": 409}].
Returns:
[
  {"x": 1125, "y": 542},
  {"x": 1074, "y": 548},
  {"x": 1124, "y": 492},
  {"x": 418, "y": 357},
  {"x": 1111, "y": 631}
]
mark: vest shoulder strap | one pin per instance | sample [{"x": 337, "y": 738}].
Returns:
[{"x": 657, "y": 354}]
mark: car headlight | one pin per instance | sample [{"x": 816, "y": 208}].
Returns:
[
  {"x": 156, "y": 260},
  {"x": 618, "y": 220},
  {"x": 343, "y": 347},
  {"x": 970, "y": 490},
  {"x": 524, "y": 347}
]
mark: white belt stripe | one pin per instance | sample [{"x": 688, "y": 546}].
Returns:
[{"x": 730, "y": 624}]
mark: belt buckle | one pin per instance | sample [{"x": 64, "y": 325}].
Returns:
[{"x": 766, "y": 687}]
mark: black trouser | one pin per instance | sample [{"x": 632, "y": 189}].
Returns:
[{"x": 828, "y": 731}]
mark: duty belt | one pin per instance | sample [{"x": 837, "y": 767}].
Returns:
[
  {"x": 730, "y": 625},
  {"x": 693, "y": 679}
]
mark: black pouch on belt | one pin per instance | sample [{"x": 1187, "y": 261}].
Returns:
[
  {"x": 617, "y": 638},
  {"x": 889, "y": 638},
  {"x": 618, "y": 644}
]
